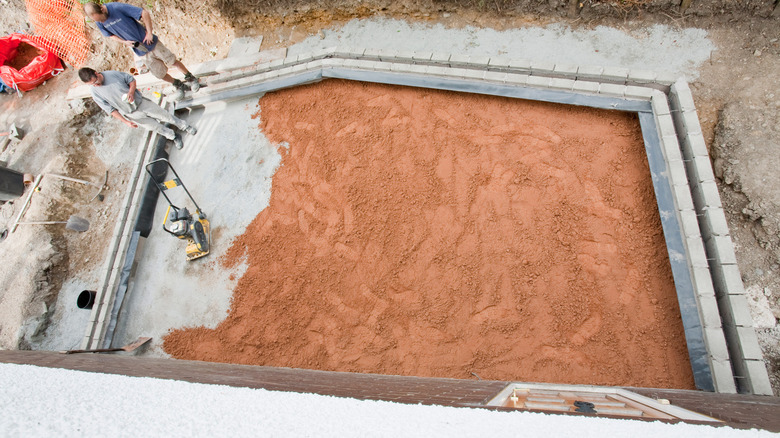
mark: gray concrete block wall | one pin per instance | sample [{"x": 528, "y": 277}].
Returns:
[
  {"x": 745, "y": 354},
  {"x": 701, "y": 278}
]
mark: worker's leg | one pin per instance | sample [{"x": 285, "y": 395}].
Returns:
[
  {"x": 151, "y": 124},
  {"x": 151, "y": 109}
]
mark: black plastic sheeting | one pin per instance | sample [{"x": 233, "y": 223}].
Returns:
[
  {"x": 686, "y": 295},
  {"x": 145, "y": 219},
  {"x": 694, "y": 331}
]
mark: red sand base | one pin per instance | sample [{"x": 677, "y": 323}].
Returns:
[{"x": 429, "y": 233}]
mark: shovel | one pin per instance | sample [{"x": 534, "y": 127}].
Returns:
[
  {"x": 129, "y": 347},
  {"x": 74, "y": 223}
]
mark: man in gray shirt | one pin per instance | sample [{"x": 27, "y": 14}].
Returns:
[{"x": 115, "y": 92}]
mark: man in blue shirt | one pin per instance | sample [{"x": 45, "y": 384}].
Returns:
[
  {"x": 122, "y": 22},
  {"x": 115, "y": 92}
]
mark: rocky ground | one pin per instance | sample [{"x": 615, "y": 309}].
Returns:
[{"x": 736, "y": 93}]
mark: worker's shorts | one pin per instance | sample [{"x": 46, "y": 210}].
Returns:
[{"x": 156, "y": 61}]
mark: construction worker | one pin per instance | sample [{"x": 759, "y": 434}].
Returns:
[
  {"x": 122, "y": 22},
  {"x": 115, "y": 92}
]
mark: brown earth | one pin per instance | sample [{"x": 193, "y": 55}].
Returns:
[{"x": 429, "y": 233}]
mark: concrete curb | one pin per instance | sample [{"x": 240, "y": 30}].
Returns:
[
  {"x": 115, "y": 258},
  {"x": 745, "y": 353}
]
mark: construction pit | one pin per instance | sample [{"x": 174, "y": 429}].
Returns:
[{"x": 440, "y": 216}]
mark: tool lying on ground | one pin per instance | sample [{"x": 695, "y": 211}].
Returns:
[
  {"x": 129, "y": 347},
  {"x": 100, "y": 187},
  {"x": 13, "y": 133},
  {"x": 74, "y": 223},
  {"x": 194, "y": 228}
]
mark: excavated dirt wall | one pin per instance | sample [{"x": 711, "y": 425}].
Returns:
[{"x": 430, "y": 233}]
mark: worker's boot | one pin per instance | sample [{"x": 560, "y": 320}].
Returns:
[
  {"x": 180, "y": 85},
  {"x": 192, "y": 81}
]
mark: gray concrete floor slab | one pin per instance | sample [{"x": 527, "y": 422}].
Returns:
[{"x": 227, "y": 168}]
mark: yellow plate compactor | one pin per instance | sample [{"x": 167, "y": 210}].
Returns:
[{"x": 194, "y": 228}]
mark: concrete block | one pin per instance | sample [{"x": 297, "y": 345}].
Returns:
[
  {"x": 468, "y": 73},
  {"x": 689, "y": 223},
  {"x": 716, "y": 342},
  {"x": 348, "y": 52},
  {"x": 568, "y": 70},
  {"x": 589, "y": 71},
  {"x": 516, "y": 79},
  {"x": 665, "y": 78},
  {"x": 418, "y": 69},
  {"x": 387, "y": 55},
  {"x": 438, "y": 70},
  {"x": 721, "y": 250},
  {"x": 671, "y": 148},
  {"x": 682, "y": 97},
  {"x": 404, "y": 55},
  {"x": 585, "y": 86},
  {"x": 708, "y": 311},
  {"x": 697, "y": 256},
  {"x": 727, "y": 280},
  {"x": 618, "y": 74},
  {"x": 276, "y": 63},
  {"x": 441, "y": 58},
  {"x": 520, "y": 64},
  {"x": 400, "y": 67},
  {"x": 562, "y": 84},
  {"x": 333, "y": 62},
  {"x": 382, "y": 66},
  {"x": 286, "y": 62},
  {"x": 499, "y": 62},
  {"x": 641, "y": 76},
  {"x": 694, "y": 146},
  {"x": 286, "y": 71},
  {"x": 542, "y": 67},
  {"x": 639, "y": 92},
  {"x": 304, "y": 57},
  {"x": 421, "y": 56},
  {"x": 734, "y": 311},
  {"x": 723, "y": 376},
  {"x": 479, "y": 60},
  {"x": 660, "y": 104},
  {"x": 459, "y": 59},
  {"x": 314, "y": 65},
  {"x": 298, "y": 68},
  {"x": 677, "y": 172},
  {"x": 366, "y": 65},
  {"x": 665, "y": 125},
  {"x": 699, "y": 169},
  {"x": 690, "y": 120},
  {"x": 538, "y": 81},
  {"x": 612, "y": 89},
  {"x": 702, "y": 282},
  {"x": 713, "y": 223},
  {"x": 705, "y": 195},
  {"x": 495, "y": 76},
  {"x": 748, "y": 342},
  {"x": 759, "y": 379},
  {"x": 682, "y": 195},
  {"x": 375, "y": 54}
]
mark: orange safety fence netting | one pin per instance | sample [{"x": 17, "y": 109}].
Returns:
[{"x": 60, "y": 28}]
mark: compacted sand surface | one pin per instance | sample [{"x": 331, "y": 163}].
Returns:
[{"x": 430, "y": 233}]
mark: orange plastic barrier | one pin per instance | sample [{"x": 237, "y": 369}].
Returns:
[{"x": 60, "y": 28}]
